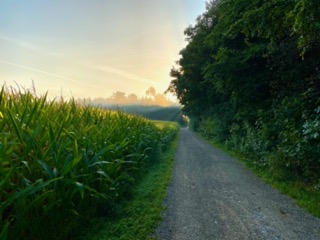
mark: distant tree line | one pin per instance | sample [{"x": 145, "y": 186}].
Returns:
[
  {"x": 250, "y": 78},
  {"x": 120, "y": 98}
]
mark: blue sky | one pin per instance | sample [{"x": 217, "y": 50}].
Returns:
[{"x": 92, "y": 48}]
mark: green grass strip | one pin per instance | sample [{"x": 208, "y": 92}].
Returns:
[{"x": 138, "y": 217}]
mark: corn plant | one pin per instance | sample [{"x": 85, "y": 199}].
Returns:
[{"x": 61, "y": 162}]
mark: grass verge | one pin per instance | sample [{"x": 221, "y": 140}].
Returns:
[
  {"x": 137, "y": 217},
  {"x": 305, "y": 196}
]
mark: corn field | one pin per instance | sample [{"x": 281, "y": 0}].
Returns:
[{"x": 61, "y": 163}]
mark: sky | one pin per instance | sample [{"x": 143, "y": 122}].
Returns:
[{"x": 92, "y": 48}]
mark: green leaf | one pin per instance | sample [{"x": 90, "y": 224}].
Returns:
[
  {"x": 30, "y": 189},
  {"x": 5, "y": 231},
  {"x": 80, "y": 187},
  {"x": 15, "y": 125}
]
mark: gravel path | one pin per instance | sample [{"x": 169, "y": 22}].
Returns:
[{"x": 212, "y": 196}]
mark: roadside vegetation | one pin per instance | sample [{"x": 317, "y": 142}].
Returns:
[
  {"x": 62, "y": 163},
  {"x": 249, "y": 78},
  {"x": 138, "y": 215}
]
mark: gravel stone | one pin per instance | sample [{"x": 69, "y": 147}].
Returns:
[{"x": 213, "y": 196}]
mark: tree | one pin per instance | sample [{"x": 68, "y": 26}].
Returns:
[
  {"x": 151, "y": 92},
  {"x": 119, "y": 97},
  {"x": 250, "y": 77},
  {"x": 133, "y": 98}
]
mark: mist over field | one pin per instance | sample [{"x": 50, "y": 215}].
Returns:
[
  {"x": 154, "y": 106},
  {"x": 119, "y": 98}
]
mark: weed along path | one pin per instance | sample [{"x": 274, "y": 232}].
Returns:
[{"x": 212, "y": 196}]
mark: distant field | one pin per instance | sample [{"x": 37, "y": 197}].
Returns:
[{"x": 172, "y": 114}]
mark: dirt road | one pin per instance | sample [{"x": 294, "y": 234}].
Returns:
[{"x": 212, "y": 196}]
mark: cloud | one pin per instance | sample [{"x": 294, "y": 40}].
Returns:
[
  {"x": 46, "y": 73},
  {"x": 18, "y": 42},
  {"x": 70, "y": 60},
  {"x": 106, "y": 69},
  {"x": 122, "y": 73}
]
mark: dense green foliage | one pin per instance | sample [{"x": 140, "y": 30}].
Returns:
[
  {"x": 61, "y": 163},
  {"x": 139, "y": 215},
  {"x": 250, "y": 78}
]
